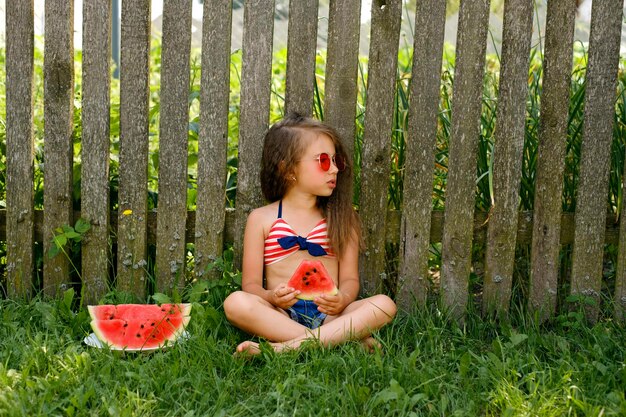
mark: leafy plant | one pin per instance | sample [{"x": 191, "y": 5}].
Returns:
[{"x": 67, "y": 238}]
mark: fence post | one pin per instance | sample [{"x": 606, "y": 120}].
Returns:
[
  {"x": 430, "y": 18},
  {"x": 20, "y": 148},
  {"x": 59, "y": 123},
  {"x": 595, "y": 154},
  {"x": 342, "y": 59},
  {"x": 377, "y": 135},
  {"x": 507, "y": 154},
  {"x": 95, "y": 147},
  {"x": 134, "y": 121},
  {"x": 213, "y": 138},
  {"x": 551, "y": 158},
  {"x": 465, "y": 132},
  {"x": 256, "y": 74},
  {"x": 173, "y": 140},
  {"x": 301, "y": 51}
]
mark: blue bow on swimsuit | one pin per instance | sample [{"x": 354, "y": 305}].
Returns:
[{"x": 290, "y": 241}]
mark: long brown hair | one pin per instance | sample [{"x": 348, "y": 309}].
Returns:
[{"x": 282, "y": 149}]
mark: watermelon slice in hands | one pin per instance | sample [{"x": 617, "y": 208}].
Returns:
[
  {"x": 139, "y": 326},
  {"x": 312, "y": 280}
]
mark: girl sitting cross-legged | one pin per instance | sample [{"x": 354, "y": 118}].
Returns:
[{"x": 306, "y": 177}]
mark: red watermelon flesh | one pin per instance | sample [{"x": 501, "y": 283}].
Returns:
[
  {"x": 312, "y": 280},
  {"x": 139, "y": 326}
]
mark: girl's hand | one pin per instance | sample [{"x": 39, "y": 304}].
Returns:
[
  {"x": 331, "y": 304},
  {"x": 283, "y": 296}
]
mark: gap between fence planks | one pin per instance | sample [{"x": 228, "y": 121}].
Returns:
[
  {"x": 20, "y": 148},
  {"x": 595, "y": 164},
  {"x": 377, "y": 133},
  {"x": 96, "y": 98},
  {"x": 420, "y": 153},
  {"x": 466, "y": 109},
  {"x": 213, "y": 138},
  {"x": 173, "y": 138},
  {"x": 58, "y": 116},
  {"x": 551, "y": 158},
  {"x": 508, "y": 148},
  {"x": 133, "y": 171}
]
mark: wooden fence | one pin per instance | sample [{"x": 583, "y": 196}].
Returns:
[{"x": 414, "y": 228}]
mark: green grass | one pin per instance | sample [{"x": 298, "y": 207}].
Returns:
[{"x": 430, "y": 366}]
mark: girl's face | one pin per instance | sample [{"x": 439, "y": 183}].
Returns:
[{"x": 309, "y": 172}]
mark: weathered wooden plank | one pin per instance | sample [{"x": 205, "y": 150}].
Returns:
[
  {"x": 133, "y": 172},
  {"x": 58, "y": 115},
  {"x": 213, "y": 138},
  {"x": 20, "y": 33},
  {"x": 173, "y": 135},
  {"x": 256, "y": 74},
  {"x": 342, "y": 62},
  {"x": 551, "y": 157},
  {"x": 460, "y": 192},
  {"x": 301, "y": 51},
  {"x": 508, "y": 148},
  {"x": 595, "y": 158},
  {"x": 377, "y": 134},
  {"x": 420, "y": 152},
  {"x": 95, "y": 147}
]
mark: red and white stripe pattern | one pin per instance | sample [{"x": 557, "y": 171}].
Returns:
[{"x": 274, "y": 252}]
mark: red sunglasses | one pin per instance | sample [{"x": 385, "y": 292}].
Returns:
[{"x": 324, "y": 161}]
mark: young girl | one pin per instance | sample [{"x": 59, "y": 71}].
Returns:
[{"x": 306, "y": 176}]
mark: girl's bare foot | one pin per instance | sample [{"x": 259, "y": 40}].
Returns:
[
  {"x": 247, "y": 348},
  {"x": 371, "y": 345},
  {"x": 250, "y": 348}
]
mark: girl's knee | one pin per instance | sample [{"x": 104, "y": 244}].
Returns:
[
  {"x": 235, "y": 304},
  {"x": 386, "y": 304}
]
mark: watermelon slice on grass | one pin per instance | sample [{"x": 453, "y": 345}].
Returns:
[
  {"x": 312, "y": 280},
  {"x": 134, "y": 327}
]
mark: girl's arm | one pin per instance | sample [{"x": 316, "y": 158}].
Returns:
[
  {"x": 253, "y": 247},
  {"x": 252, "y": 268},
  {"x": 348, "y": 282}
]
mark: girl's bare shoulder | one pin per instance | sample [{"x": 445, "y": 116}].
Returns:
[{"x": 265, "y": 215}]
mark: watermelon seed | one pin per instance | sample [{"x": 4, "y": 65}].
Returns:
[
  {"x": 111, "y": 317},
  {"x": 308, "y": 273},
  {"x": 142, "y": 326},
  {"x": 152, "y": 324},
  {"x": 314, "y": 270},
  {"x": 125, "y": 324},
  {"x": 138, "y": 335},
  {"x": 306, "y": 283}
]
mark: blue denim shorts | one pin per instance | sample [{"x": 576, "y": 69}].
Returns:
[{"x": 306, "y": 313}]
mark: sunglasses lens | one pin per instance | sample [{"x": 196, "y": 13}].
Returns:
[{"x": 324, "y": 161}]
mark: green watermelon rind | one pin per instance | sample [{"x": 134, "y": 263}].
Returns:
[{"x": 185, "y": 313}]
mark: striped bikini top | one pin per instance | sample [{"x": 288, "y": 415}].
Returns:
[{"x": 283, "y": 241}]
